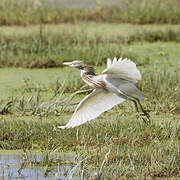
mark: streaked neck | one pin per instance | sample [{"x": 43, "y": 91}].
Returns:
[{"x": 88, "y": 70}]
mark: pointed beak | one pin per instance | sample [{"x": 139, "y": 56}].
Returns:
[{"x": 67, "y": 63}]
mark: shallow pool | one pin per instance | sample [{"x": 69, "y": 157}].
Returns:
[{"x": 13, "y": 166}]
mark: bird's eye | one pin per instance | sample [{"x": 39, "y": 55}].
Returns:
[{"x": 74, "y": 65}]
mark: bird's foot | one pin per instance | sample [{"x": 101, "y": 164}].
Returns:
[{"x": 145, "y": 117}]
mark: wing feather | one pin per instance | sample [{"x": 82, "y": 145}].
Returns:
[
  {"x": 123, "y": 68},
  {"x": 92, "y": 106},
  {"x": 108, "y": 62},
  {"x": 124, "y": 86}
]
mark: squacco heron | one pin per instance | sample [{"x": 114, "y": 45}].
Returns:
[{"x": 115, "y": 85}]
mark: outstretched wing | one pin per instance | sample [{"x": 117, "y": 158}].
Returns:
[
  {"x": 92, "y": 106},
  {"x": 123, "y": 68}
]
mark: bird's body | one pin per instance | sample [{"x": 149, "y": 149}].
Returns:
[
  {"x": 95, "y": 81},
  {"x": 115, "y": 85}
]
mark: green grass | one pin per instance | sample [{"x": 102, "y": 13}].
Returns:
[
  {"x": 14, "y": 12},
  {"x": 136, "y": 149},
  {"x": 47, "y": 45},
  {"x": 34, "y": 102}
]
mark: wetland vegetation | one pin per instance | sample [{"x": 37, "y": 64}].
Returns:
[
  {"x": 37, "y": 94},
  {"x": 57, "y": 11}
]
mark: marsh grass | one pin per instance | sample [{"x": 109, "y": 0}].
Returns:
[
  {"x": 117, "y": 145},
  {"x": 118, "y": 11},
  {"x": 34, "y": 98},
  {"x": 136, "y": 150},
  {"x": 47, "y": 46},
  {"x": 38, "y": 102}
]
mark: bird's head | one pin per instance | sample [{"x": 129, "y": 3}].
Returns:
[
  {"x": 76, "y": 64},
  {"x": 81, "y": 65}
]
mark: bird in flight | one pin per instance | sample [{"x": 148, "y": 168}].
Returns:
[{"x": 113, "y": 86}]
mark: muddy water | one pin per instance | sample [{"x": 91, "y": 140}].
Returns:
[{"x": 11, "y": 167}]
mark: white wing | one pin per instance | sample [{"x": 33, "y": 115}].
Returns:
[
  {"x": 92, "y": 106},
  {"x": 123, "y": 68},
  {"x": 124, "y": 86}
]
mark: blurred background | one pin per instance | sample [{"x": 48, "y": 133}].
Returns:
[
  {"x": 37, "y": 94},
  {"x": 38, "y": 33}
]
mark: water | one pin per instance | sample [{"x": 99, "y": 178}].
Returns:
[
  {"x": 78, "y": 4},
  {"x": 11, "y": 163}
]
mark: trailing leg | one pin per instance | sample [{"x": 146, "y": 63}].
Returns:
[
  {"x": 142, "y": 109},
  {"x": 135, "y": 104}
]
